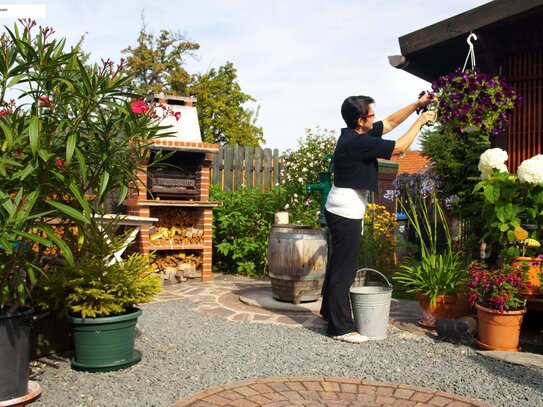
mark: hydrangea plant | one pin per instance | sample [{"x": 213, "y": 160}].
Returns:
[
  {"x": 493, "y": 158},
  {"x": 531, "y": 171},
  {"x": 510, "y": 200}
]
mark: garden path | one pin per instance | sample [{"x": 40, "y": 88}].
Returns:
[{"x": 248, "y": 300}]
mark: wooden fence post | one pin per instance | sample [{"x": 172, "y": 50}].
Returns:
[{"x": 227, "y": 170}]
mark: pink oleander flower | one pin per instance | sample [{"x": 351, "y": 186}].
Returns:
[
  {"x": 177, "y": 115},
  {"x": 139, "y": 106},
  {"x": 45, "y": 101}
]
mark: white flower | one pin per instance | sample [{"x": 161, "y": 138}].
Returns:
[
  {"x": 300, "y": 179},
  {"x": 287, "y": 206},
  {"x": 490, "y": 159},
  {"x": 531, "y": 170}
]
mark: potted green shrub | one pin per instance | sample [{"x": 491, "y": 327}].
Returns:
[
  {"x": 70, "y": 131},
  {"x": 439, "y": 272},
  {"x": 99, "y": 294}
]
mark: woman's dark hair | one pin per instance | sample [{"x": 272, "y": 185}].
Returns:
[{"x": 355, "y": 107}]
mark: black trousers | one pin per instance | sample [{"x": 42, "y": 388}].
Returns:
[{"x": 340, "y": 273}]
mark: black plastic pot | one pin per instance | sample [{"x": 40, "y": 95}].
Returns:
[{"x": 14, "y": 353}]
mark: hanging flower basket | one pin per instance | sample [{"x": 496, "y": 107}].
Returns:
[{"x": 471, "y": 101}]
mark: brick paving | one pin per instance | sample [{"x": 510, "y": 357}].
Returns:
[
  {"x": 322, "y": 392},
  {"x": 221, "y": 297}
]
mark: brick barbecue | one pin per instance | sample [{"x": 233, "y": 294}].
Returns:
[{"x": 178, "y": 195}]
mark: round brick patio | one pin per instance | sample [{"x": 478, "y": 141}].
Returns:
[{"x": 322, "y": 392}]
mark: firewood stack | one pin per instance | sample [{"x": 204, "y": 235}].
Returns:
[
  {"x": 175, "y": 228},
  {"x": 178, "y": 267}
]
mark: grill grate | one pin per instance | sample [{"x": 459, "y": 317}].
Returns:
[{"x": 173, "y": 184}]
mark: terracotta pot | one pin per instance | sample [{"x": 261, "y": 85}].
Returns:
[
  {"x": 535, "y": 270},
  {"x": 463, "y": 307},
  {"x": 444, "y": 308},
  {"x": 499, "y": 330}
]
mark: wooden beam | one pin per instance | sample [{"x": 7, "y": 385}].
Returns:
[{"x": 461, "y": 24}]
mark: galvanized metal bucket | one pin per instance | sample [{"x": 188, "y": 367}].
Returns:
[{"x": 371, "y": 306}]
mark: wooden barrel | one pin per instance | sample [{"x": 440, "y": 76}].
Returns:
[{"x": 297, "y": 262}]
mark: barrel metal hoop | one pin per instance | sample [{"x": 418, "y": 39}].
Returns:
[{"x": 297, "y": 236}]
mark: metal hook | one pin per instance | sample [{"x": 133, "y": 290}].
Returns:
[
  {"x": 470, "y": 36},
  {"x": 471, "y": 51}
]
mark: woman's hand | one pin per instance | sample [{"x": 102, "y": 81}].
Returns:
[
  {"x": 427, "y": 117},
  {"x": 426, "y": 99}
]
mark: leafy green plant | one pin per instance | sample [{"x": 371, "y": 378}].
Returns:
[
  {"x": 455, "y": 157},
  {"x": 97, "y": 284},
  {"x": 436, "y": 273},
  {"x": 300, "y": 168},
  {"x": 68, "y": 138},
  {"x": 377, "y": 243},
  {"x": 241, "y": 228},
  {"x": 510, "y": 200}
]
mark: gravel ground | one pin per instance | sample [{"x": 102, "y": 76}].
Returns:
[{"x": 185, "y": 351}]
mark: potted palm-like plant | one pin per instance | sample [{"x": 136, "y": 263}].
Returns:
[
  {"x": 437, "y": 275},
  {"x": 69, "y": 132}
]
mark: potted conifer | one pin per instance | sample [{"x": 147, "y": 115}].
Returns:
[{"x": 99, "y": 294}]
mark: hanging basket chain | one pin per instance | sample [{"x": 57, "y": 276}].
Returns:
[{"x": 471, "y": 52}]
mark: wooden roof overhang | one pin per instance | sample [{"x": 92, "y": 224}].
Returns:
[{"x": 440, "y": 48}]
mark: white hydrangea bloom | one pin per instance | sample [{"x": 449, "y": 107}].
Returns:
[
  {"x": 531, "y": 170},
  {"x": 490, "y": 159}
]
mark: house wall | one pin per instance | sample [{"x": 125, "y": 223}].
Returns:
[{"x": 525, "y": 133}]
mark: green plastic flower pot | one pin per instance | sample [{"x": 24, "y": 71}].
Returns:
[{"x": 106, "y": 343}]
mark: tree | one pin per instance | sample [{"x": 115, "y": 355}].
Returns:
[
  {"x": 223, "y": 117},
  {"x": 157, "y": 64}
]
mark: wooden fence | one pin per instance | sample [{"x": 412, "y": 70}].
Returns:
[{"x": 237, "y": 166}]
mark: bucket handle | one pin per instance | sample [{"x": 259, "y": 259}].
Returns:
[{"x": 378, "y": 272}]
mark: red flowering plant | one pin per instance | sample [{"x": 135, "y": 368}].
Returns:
[
  {"x": 471, "y": 101},
  {"x": 68, "y": 139},
  {"x": 498, "y": 288}
]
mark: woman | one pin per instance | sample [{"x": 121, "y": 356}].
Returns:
[{"x": 355, "y": 174}]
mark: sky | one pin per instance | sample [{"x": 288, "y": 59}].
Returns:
[{"x": 298, "y": 58}]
